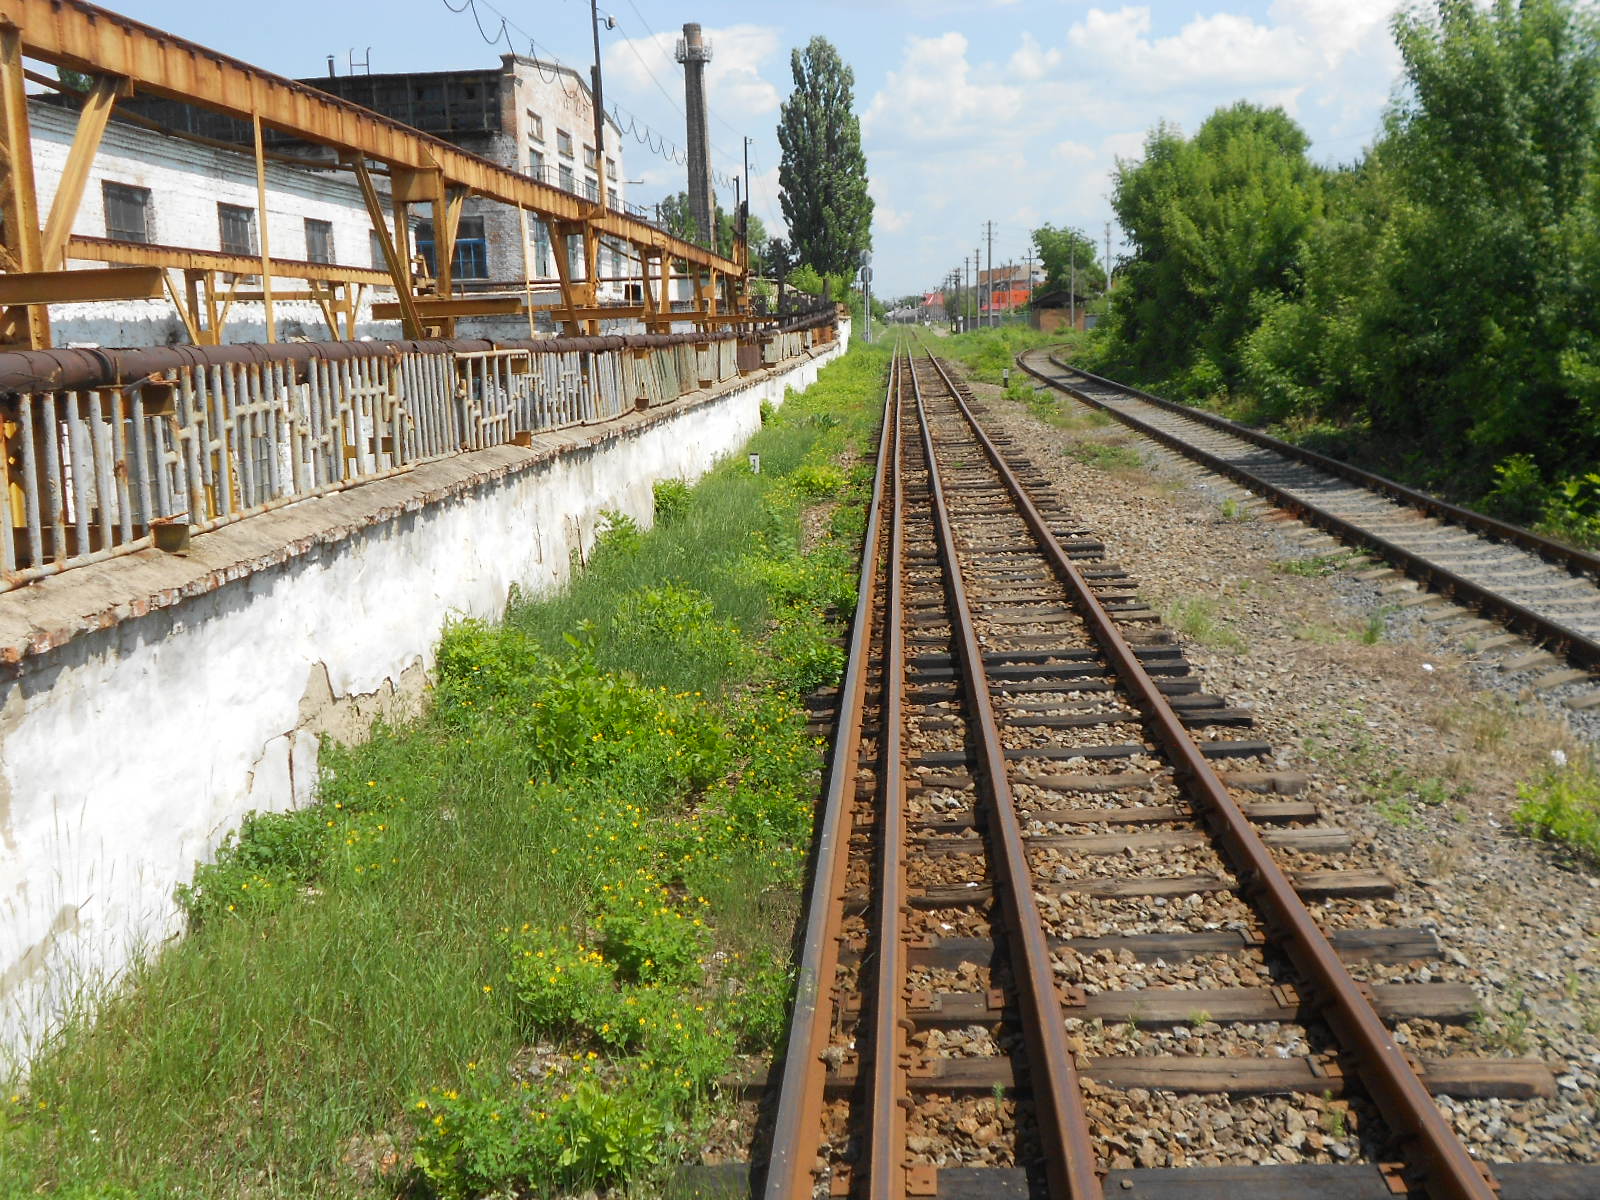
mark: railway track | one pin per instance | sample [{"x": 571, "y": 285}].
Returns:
[
  {"x": 1540, "y": 589},
  {"x": 1069, "y": 929}
]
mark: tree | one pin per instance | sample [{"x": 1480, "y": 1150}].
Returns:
[
  {"x": 1480, "y": 329},
  {"x": 1058, "y": 250},
  {"x": 1217, "y": 223},
  {"x": 823, "y": 173},
  {"x": 677, "y": 217}
]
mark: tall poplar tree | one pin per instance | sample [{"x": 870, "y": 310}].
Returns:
[{"x": 823, "y": 175}]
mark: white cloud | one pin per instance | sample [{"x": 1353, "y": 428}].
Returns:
[
  {"x": 933, "y": 97},
  {"x": 1223, "y": 48},
  {"x": 1073, "y": 152},
  {"x": 1032, "y": 61}
]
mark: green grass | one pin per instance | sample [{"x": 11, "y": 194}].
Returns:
[
  {"x": 989, "y": 353},
  {"x": 623, "y": 769}
]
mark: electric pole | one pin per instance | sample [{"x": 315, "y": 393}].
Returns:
[
  {"x": 1108, "y": 258},
  {"x": 977, "y": 281},
  {"x": 1072, "y": 293},
  {"x": 988, "y": 227}
]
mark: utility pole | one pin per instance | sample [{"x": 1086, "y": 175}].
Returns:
[
  {"x": 1030, "y": 287},
  {"x": 977, "y": 282},
  {"x": 989, "y": 231},
  {"x": 1072, "y": 293},
  {"x": 599, "y": 105},
  {"x": 1108, "y": 258},
  {"x": 969, "y": 263}
]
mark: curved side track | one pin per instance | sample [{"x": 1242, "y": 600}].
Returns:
[
  {"x": 1026, "y": 826},
  {"x": 1531, "y": 584}
]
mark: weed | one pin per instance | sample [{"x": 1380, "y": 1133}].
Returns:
[
  {"x": 1316, "y": 566},
  {"x": 1376, "y": 627},
  {"x": 1398, "y": 811},
  {"x": 1199, "y": 1019},
  {"x": 1232, "y": 510},
  {"x": 1197, "y": 617},
  {"x": 1106, "y": 456},
  {"x": 1563, "y": 805},
  {"x": 1507, "y": 1029}
]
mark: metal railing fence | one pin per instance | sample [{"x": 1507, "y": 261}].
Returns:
[{"x": 103, "y": 448}]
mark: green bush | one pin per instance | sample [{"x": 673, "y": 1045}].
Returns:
[
  {"x": 648, "y": 935},
  {"x": 671, "y": 500}
]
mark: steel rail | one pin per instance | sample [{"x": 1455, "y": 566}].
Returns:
[
  {"x": 1579, "y": 562},
  {"x": 797, "y": 1126},
  {"x": 1385, "y": 1071},
  {"x": 886, "y": 1141},
  {"x": 1052, "y": 1067},
  {"x": 1580, "y": 649}
]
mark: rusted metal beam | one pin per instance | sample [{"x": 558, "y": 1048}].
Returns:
[
  {"x": 65, "y": 287},
  {"x": 264, "y": 232},
  {"x": 92, "y": 120},
  {"x": 394, "y": 258},
  {"x": 19, "y": 202},
  {"x": 86, "y": 38},
  {"x": 431, "y": 309},
  {"x": 143, "y": 254}
]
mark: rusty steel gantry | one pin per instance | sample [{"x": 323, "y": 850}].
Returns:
[{"x": 121, "y": 57}]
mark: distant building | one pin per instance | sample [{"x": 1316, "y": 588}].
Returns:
[{"x": 1003, "y": 289}]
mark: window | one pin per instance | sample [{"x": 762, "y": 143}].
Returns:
[
  {"x": 541, "y": 249},
  {"x": 127, "y": 212},
  {"x": 375, "y": 244},
  {"x": 536, "y": 163},
  {"x": 535, "y": 126},
  {"x": 563, "y": 143},
  {"x": 611, "y": 198},
  {"x": 591, "y": 188},
  {"x": 590, "y": 158},
  {"x": 238, "y": 226},
  {"x": 566, "y": 178},
  {"x": 319, "y": 240},
  {"x": 611, "y": 167},
  {"x": 471, "y": 258}
]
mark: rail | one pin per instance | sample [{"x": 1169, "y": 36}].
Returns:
[
  {"x": 102, "y": 449},
  {"x": 1388, "y": 1075},
  {"x": 1579, "y": 562},
  {"x": 1574, "y": 645}
]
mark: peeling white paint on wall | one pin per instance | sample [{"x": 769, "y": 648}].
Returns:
[{"x": 127, "y": 754}]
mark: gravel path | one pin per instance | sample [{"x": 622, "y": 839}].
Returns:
[{"x": 1413, "y": 742}]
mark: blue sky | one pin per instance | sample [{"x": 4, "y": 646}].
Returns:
[{"x": 1011, "y": 111}]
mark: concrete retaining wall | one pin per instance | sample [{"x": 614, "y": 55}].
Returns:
[{"x": 148, "y": 703}]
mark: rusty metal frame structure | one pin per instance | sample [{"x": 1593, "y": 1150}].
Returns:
[{"x": 122, "y": 56}]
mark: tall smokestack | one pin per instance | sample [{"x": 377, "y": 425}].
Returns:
[{"x": 694, "y": 52}]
